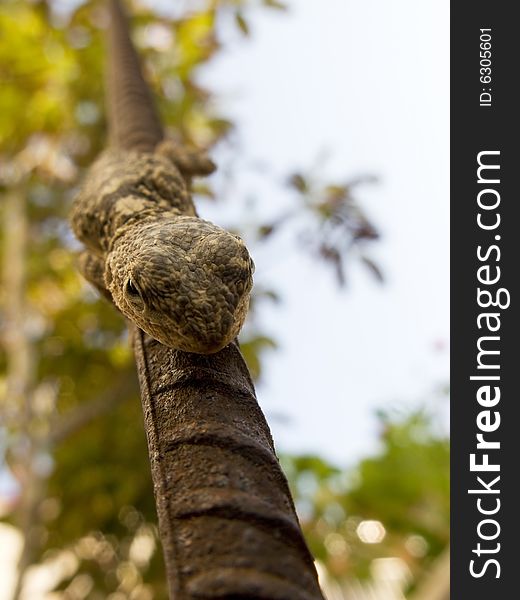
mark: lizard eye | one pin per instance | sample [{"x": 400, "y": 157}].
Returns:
[{"x": 132, "y": 290}]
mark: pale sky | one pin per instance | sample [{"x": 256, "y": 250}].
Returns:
[{"x": 369, "y": 82}]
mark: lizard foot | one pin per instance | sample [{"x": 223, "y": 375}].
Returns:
[
  {"x": 92, "y": 268},
  {"x": 189, "y": 162}
]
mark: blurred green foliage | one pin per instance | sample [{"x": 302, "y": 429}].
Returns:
[
  {"x": 392, "y": 504},
  {"x": 80, "y": 436}
]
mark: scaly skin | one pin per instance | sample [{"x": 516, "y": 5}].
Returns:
[{"x": 183, "y": 280}]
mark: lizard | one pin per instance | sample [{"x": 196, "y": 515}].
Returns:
[
  {"x": 183, "y": 280},
  {"x": 186, "y": 283}
]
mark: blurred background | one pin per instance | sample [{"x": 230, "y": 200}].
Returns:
[{"x": 329, "y": 121}]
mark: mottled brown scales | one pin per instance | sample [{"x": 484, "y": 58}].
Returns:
[{"x": 183, "y": 280}]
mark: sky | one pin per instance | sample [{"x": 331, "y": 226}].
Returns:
[{"x": 368, "y": 84}]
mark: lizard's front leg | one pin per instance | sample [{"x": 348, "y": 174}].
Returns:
[
  {"x": 92, "y": 267},
  {"x": 189, "y": 162}
]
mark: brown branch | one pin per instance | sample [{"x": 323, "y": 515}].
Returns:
[{"x": 226, "y": 517}]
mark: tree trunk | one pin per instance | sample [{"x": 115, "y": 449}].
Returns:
[{"x": 17, "y": 411}]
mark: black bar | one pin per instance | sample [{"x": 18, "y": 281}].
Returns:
[{"x": 484, "y": 122}]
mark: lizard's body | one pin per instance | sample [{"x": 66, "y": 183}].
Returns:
[{"x": 183, "y": 280}]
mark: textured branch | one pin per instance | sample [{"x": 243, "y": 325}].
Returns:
[{"x": 226, "y": 517}]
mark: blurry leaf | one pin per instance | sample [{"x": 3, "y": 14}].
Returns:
[
  {"x": 333, "y": 256},
  {"x": 242, "y": 23},
  {"x": 341, "y": 225},
  {"x": 201, "y": 188},
  {"x": 265, "y": 231},
  {"x": 195, "y": 41},
  {"x": 334, "y": 193},
  {"x": 261, "y": 293},
  {"x": 299, "y": 183},
  {"x": 220, "y": 126},
  {"x": 366, "y": 231},
  {"x": 271, "y": 295},
  {"x": 252, "y": 348},
  {"x": 275, "y": 4},
  {"x": 326, "y": 210},
  {"x": 373, "y": 268},
  {"x": 36, "y": 67}
]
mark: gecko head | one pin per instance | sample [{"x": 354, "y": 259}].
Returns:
[{"x": 184, "y": 281}]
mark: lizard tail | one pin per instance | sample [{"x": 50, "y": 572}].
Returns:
[{"x": 133, "y": 120}]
